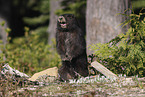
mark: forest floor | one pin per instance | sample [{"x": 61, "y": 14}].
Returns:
[
  {"x": 84, "y": 87},
  {"x": 14, "y": 85}
]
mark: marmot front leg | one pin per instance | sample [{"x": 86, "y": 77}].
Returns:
[{"x": 66, "y": 72}]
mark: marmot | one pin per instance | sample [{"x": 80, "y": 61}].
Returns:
[{"x": 71, "y": 45}]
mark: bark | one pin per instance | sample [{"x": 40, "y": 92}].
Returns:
[
  {"x": 3, "y": 36},
  {"x": 5, "y": 10},
  {"x": 54, "y": 5},
  {"x": 102, "y": 21}
]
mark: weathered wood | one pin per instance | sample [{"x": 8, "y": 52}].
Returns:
[
  {"x": 102, "y": 69},
  {"x": 50, "y": 71}
]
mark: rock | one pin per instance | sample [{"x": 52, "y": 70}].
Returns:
[
  {"x": 10, "y": 70},
  {"x": 51, "y": 72}
]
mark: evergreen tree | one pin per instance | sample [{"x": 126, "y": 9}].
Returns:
[{"x": 38, "y": 22}]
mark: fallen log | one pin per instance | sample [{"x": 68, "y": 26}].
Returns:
[{"x": 102, "y": 69}]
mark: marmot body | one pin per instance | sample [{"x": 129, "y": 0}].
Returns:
[{"x": 71, "y": 46}]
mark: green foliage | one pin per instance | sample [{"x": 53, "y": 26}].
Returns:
[
  {"x": 42, "y": 6},
  {"x": 73, "y": 7},
  {"x": 30, "y": 53},
  {"x": 2, "y": 23},
  {"x": 138, "y": 3},
  {"x": 125, "y": 54},
  {"x": 41, "y": 17},
  {"x": 36, "y": 20}
]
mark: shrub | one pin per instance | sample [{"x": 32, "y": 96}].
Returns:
[
  {"x": 30, "y": 53},
  {"x": 125, "y": 54}
]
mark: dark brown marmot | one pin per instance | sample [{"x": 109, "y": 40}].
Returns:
[{"x": 71, "y": 45}]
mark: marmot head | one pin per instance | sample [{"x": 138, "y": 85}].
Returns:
[{"x": 66, "y": 21}]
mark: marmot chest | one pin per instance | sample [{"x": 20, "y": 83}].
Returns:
[{"x": 70, "y": 38}]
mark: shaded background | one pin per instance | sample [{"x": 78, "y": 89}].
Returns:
[{"x": 36, "y": 14}]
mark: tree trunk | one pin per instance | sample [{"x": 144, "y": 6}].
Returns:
[
  {"x": 3, "y": 36},
  {"x": 54, "y": 5},
  {"x": 102, "y": 21},
  {"x": 5, "y": 10}
]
